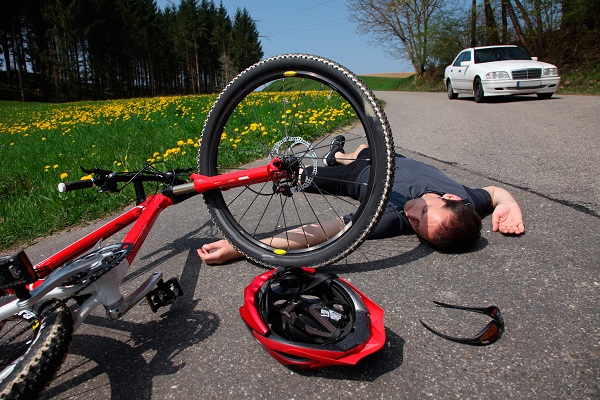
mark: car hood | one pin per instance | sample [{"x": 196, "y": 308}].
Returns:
[{"x": 513, "y": 65}]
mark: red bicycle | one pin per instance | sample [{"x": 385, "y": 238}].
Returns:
[{"x": 268, "y": 125}]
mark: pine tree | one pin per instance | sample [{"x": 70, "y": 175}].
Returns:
[{"x": 246, "y": 48}]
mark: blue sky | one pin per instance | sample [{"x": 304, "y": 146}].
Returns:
[{"x": 320, "y": 27}]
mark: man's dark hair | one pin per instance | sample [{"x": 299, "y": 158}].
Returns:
[{"x": 460, "y": 231}]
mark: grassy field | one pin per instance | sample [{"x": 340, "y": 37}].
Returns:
[
  {"x": 44, "y": 144},
  {"x": 584, "y": 81}
]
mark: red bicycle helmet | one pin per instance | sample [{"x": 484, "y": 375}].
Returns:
[{"x": 311, "y": 320}]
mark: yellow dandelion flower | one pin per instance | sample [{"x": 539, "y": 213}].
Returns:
[{"x": 63, "y": 175}]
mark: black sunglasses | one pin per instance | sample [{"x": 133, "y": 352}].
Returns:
[{"x": 490, "y": 334}]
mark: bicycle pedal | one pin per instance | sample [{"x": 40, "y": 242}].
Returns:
[{"x": 164, "y": 294}]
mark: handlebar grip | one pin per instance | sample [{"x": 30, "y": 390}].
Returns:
[{"x": 75, "y": 185}]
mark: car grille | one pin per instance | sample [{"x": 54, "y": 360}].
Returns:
[{"x": 530, "y": 73}]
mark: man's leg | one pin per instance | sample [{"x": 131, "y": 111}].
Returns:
[
  {"x": 339, "y": 179},
  {"x": 345, "y": 159}
]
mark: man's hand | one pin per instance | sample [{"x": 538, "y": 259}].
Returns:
[
  {"x": 218, "y": 252},
  {"x": 507, "y": 217}
]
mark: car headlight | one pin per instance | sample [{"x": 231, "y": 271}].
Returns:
[
  {"x": 497, "y": 75},
  {"x": 551, "y": 71}
]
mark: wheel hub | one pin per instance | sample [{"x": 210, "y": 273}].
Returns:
[{"x": 296, "y": 154}]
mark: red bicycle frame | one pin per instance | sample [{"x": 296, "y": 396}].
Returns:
[{"x": 144, "y": 215}]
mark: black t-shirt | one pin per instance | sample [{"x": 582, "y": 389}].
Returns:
[{"x": 412, "y": 180}]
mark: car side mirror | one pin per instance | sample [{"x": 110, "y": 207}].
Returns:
[
  {"x": 534, "y": 58},
  {"x": 465, "y": 63}
]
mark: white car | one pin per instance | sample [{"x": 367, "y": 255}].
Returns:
[{"x": 499, "y": 71}]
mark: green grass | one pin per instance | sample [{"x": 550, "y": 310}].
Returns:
[
  {"x": 409, "y": 84},
  {"x": 580, "y": 81},
  {"x": 44, "y": 144}
]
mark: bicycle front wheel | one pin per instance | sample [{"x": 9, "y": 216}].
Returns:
[{"x": 291, "y": 107}]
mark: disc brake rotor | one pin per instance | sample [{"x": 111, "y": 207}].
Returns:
[{"x": 301, "y": 150}]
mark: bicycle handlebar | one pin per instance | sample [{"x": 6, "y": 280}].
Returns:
[
  {"x": 107, "y": 180},
  {"x": 75, "y": 185}
]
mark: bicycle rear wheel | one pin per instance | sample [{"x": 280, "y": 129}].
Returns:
[
  {"x": 31, "y": 351},
  {"x": 293, "y": 106}
]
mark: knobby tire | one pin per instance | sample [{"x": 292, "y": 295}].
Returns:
[{"x": 38, "y": 358}]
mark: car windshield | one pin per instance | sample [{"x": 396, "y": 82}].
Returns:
[{"x": 500, "y": 54}]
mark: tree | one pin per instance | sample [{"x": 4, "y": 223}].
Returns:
[
  {"x": 450, "y": 32},
  {"x": 72, "y": 49},
  {"x": 14, "y": 45},
  {"x": 578, "y": 42},
  {"x": 403, "y": 26},
  {"x": 473, "y": 23},
  {"x": 246, "y": 49},
  {"x": 221, "y": 43},
  {"x": 491, "y": 29}
]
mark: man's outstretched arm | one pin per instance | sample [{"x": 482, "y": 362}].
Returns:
[
  {"x": 506, "y": 217},
  {"x": 222, "y": 251}
]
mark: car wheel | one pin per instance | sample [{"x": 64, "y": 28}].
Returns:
[
  {"x": 478, "y": 91},
  {"x": 450, "y": 90},
  {"x": 544, "y": 95}
]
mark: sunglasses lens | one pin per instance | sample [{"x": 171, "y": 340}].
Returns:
[{"x": 491, "y": 333}]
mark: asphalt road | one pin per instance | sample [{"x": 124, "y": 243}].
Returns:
[{"x": 546, "y": 282}]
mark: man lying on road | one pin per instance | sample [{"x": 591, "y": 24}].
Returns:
[{"x": 423, "y": 201}]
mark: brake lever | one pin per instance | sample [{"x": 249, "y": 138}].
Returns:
[
  {"x": 102, "y": 178},
  {"x": 101, "y": 173}
]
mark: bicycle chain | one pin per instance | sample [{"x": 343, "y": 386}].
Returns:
[{"x": 122, "y": 250}]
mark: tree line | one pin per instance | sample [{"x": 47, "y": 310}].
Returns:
[
  {"x": 430, "y": 33},
  {"x": 64, "y": 50}
]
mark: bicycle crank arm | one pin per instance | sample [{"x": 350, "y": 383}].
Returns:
[{"x": 117, "y": 311}]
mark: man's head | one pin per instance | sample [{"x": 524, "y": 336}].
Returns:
[{"x": 444, "y": 221}]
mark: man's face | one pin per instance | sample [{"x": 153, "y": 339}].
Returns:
[{"x": 427, "y": 213}]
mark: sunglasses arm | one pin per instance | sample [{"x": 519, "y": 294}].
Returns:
[{"x": 489, "y": 311}]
